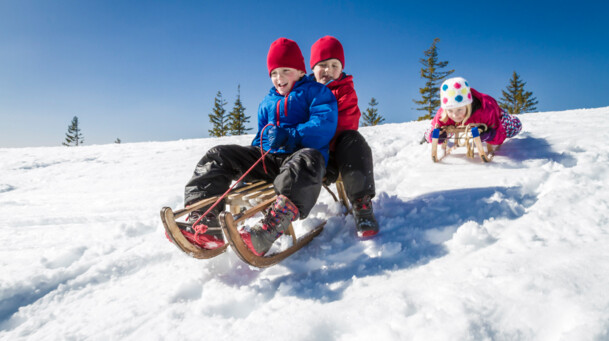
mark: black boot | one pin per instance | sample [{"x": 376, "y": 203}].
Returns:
[{"x": 211, "y": 220}]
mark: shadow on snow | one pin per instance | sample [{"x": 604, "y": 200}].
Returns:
[
  {"x": 527, "y": 147},
  {"x": 339, "y": 258}
]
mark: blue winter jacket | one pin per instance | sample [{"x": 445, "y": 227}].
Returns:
[{"x": 310, "y": 116}]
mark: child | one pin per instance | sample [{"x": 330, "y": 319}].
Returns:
[
  {"x": 462, "y": 105},
  {"x": 296, "y": 121},
  {"x": 350, "y": 155}
]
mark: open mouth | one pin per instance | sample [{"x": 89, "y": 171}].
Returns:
[
  {"x": 326, "y": 78},
  {"x": 282, "y": 87}
]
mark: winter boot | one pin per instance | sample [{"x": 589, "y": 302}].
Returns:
[
  {"x": 210, "y": 235},
  {"x": 366, "y": 224},
  {"x": 277, "y": 219}
]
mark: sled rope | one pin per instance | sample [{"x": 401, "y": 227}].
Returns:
[
  {"x": 261, "y": 149},
  {"x": 199, "y": 231}
]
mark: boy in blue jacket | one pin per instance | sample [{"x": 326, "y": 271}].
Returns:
[{"x": 296, "y": 121}]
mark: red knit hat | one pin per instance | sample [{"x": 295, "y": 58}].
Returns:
[
  {"x": 326, "y": 48},
  {"x": 285, "y": 53}
]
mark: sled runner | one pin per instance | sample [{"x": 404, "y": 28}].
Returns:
[
  {"x": 242, "y": 203},
  {"x": 467, "y": 136},
  {"x": 231, "y": 232}
]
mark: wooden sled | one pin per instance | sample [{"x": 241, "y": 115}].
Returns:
[
  {"x": 464, "y": 136},
  {"x": 242, "y": 203}
]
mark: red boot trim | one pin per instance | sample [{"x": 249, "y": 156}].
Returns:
[
  {"x": 202, "y": 240},
  {"x": 247, "y": 239},
  {"x": 366, "y": 234}
]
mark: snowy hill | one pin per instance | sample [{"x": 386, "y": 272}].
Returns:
[{"x": 517, "y": 249}]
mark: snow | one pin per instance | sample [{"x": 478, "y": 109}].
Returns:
[{"x": 516, "y": 249}]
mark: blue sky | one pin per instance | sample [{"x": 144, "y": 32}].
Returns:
[{"x": 149, "y": 70}]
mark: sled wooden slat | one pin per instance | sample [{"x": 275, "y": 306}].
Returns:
[
  {"x": 259, "y": 193},
  {"x": 195, "y": 206},
  {"x": 241, "y": 191}
]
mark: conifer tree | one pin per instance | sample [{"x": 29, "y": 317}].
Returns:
[
  {"x": 237, "y": 118},
  {"x": 117, "y": 141},
  {"x": 430, "y": 94},
  {"x": 218, "y": 117},
  {"x": 73, "y": 136},
  {"x": 371, "y": 117},
  {"x": 515, "y": 100}
]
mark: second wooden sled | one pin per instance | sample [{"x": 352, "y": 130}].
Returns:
[{"x": 464, "y": 136}]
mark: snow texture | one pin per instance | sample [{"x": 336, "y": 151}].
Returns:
[{"x": 516, "y": 249}]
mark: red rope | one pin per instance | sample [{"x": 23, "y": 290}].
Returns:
[
  {"x": 202, "y": 230},
  {"x": 262, "y": 153},
  {"x": 261, "y": 149}
]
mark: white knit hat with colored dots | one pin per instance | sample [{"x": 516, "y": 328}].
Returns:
[{"x": 455, "y": 93}]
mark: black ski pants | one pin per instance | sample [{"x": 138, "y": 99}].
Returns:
[
  {"x": 298, "y": 176},
  {"x": 352, "y": 158}
]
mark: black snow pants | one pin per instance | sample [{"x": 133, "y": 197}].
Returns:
[
  {"x": 298, "y": 176},
  {"x": 352, "y": 158}
]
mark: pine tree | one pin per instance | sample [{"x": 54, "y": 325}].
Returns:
[
  {"x": 430, "y": 94},
  {"x": 371, "y": 116},
  {"x": 218, "y": 117},
  {"x": 74, "y": 136},
  {"x": 237, "y": 118},
  {"x": 515, "y": 100},
  {"x": 117, "y": 141}
]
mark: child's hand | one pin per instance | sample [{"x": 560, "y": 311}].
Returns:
[
  {"x": 279, "y": 137},
  {"x": 331, "y": 176},
  {"x": 442, "y": 137},
  {"x": 488, "y": 135}
]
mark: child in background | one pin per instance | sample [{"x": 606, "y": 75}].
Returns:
[
  {"x": 462, "y": 105},
  {"x": 350, "y": 155},
  {"x": 296, "y": 121}
]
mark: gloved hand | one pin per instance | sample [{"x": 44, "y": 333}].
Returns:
[
  {"x": 331, "y": 175},
  {"x": 488, "y": 135},
  {"x": 281, "y": 137},
  {"x": 442, "y": 137},
  {"x": 440, "y": 134}
]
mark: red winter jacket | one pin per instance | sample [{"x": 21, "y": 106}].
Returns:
[
  {"x": 348, "y": 111},
  {"x": 488, "y": 113}
]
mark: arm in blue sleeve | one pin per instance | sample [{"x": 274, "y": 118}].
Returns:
[{"x": 321, "y": 126}]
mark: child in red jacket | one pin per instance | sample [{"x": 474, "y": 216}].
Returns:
[
  {"x": 350, "y": 155},
  {"x": 462, "y": 105}
]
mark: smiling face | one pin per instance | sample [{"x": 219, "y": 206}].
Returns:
[
  {"x": 457, "y": 114},
  {"x": 283, "y": 79},
  {"x": 327, "y": 70}
]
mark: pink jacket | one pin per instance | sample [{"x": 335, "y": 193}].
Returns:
[{"x": 489, "y": 113}]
